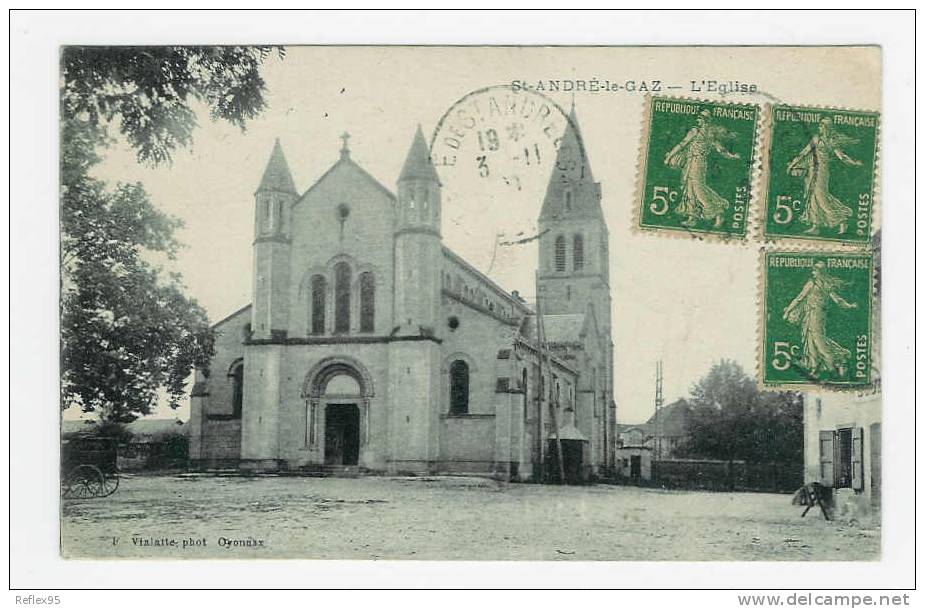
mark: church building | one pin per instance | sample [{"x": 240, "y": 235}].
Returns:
[{"x": 369, "y": 346}]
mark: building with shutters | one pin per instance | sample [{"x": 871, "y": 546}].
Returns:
[
  {"x": 370, "y": 345},
  {"x": 842, "y": 447}
]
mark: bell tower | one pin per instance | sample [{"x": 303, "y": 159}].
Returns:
[
  {"x": 574, "y": 267},
  {"x": 269, "y": 315},
  {"x": 574, "y": 273},
  {"x": 272, "y": 239},
  {"x": 418, "y": 245},
  {"x": 414, "y": 352}
]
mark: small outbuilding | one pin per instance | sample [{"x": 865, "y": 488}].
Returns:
[
  {"x": 634, "y": 463},
  {"x": 576, "y": 463}
]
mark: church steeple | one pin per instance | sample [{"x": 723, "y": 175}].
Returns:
[
  {"x": 415, "y": 358},
  {"x": 418, "y": 165},
  {"x": 418, "y": 189},
  {"x": 574, "y": 242},
  {"x": 417, "y": 241},
  {"x": 272, "y": 209},
  {"x": 572, "y": 191},
  {"x": 277, "y": 177}
]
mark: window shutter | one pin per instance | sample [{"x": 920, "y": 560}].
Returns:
[
  {"x": 857, "y": 458},
  {"x": 827, "y": 458}
]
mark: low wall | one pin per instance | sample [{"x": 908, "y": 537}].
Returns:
[
  {"x": 715, "y": 475},
  {"x": 221, "y": 440}
]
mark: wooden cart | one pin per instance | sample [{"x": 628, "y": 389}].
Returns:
[{"x": 88, "y": 467}]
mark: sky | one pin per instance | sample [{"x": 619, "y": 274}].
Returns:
[{"x": 685, "y": 301}]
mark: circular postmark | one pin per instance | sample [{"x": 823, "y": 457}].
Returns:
[{"x": 496, "y": 150}]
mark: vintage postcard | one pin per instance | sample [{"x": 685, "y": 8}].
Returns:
[{"x": 470, "y": 303}]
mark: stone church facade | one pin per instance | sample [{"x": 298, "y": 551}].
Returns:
[{"x": 371, "y": 346}]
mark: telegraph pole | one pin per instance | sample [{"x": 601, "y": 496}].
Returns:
[
  {"x": 659, "y": 401},
  {"x": 554, "y": 404}
]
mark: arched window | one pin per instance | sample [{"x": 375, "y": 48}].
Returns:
[
  {"x": 560, "y": 253},
  {"x": 342, "y": 297},
  {"x": 367, "y": 302},
  {"x": 459, "y": 387},
  {"x": 578, "y": 252},
  {"x": 568, "y": 200},
  {"x": 319, "y": 300},
  {"x": 237, "y": 389}
]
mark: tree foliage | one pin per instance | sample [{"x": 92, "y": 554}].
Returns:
[
  {"x": 731, "y": 419},
  {"x": 128, "y": 331},
  {"x": 149, "y": 90}
]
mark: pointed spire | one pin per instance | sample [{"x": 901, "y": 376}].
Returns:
[
  {"x": 418, "y": 165},
  {"x": 571, "y": 186},
  {"x": 277, "y": 176},
  {"x": 572, "y": 151}
]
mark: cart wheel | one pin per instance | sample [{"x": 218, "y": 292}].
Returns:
[
  {"x": 110, "y": 484},
  {"x": 85, "y": 481}
]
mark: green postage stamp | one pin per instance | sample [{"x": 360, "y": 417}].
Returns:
[
  {"x": 816, "y": 326},
  {"x": 698, "y": 159},
  {"x": 821, "y": 168}
]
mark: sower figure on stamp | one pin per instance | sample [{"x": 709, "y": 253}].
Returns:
[
  {"x": 822, "y": 207},
  {"x": 808, "y": 309},
  {"x": 698, "y": 200}
]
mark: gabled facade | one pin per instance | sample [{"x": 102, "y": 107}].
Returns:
[{"x": 369, "y": 344}]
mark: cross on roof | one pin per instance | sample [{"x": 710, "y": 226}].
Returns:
[{"x": 345, "y": 150}]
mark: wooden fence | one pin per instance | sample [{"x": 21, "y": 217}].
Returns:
[{"x": 714, "y": 475}]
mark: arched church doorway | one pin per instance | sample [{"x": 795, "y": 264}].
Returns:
[
  {"x": 341, "y": 419},
  {"x": 338, "y": 392},
  {"x": 341, "y": 434}
]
